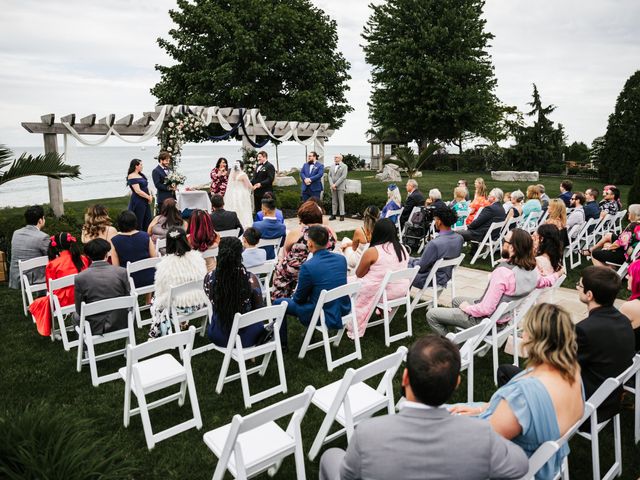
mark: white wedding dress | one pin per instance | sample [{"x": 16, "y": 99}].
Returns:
[{"x": 239, "y": 196}]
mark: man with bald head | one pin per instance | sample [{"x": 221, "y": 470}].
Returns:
[{"x": 338, "y": 183}]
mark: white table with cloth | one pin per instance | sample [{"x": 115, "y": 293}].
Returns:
[{"x": 193, "y": 199}]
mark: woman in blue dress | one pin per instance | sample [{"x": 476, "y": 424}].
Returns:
[
  {"x": 543, "y": 402},
  {"x": 232, "y": 289},
  {"x": 131, "y": 245},
  {"x": 140, "y": 197},
  {"x": 394, "y": 202}
]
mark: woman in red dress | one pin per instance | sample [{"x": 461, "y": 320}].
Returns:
[{"x": 64, "y": 259}]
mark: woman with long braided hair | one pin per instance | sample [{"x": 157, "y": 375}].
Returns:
[
  {"x": 64, "y": 259},
  {"x": 232, "y": 289}
]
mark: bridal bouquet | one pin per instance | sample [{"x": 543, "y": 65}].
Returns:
[{"x": 174, "y": 179}]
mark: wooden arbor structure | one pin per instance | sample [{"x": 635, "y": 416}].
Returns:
[
  {"x": 151, "y": 123},
  {"x": 383, "y": 148}
]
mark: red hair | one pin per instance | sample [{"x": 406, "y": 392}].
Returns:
[
  {"x": 634, "y": 272},
  {"x": 201, "y": 232}
]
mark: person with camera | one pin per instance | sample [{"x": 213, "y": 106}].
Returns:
[{"x": 448, "y": 244}]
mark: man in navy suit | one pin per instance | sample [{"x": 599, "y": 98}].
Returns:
[
  {"x": 159, "y": 175},
  {"x": 325, "y": 271},
  {"x": 477, "y": 229},
  {"x": 270, "y": 227},
  {"x": 311, "y": 176}
]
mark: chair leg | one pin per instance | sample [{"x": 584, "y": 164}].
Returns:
[
  {"x": 224, "y": 368},
  {"x": 387, "y": 327},
  {"x": 193, "y": 398},
  {"x": 146, "y": 421},
  {"x": 494, "y": 348},
  {"x": 299, "y": 455},
  {"x": 127, "y": 406},
  {"x": 183, "y": 393},
  {"x": 280, "y": 363},
  {"x": 244, "y": 382},
  {"x": 595, "y": 451},
  {"x": 617, "y": 446},
  {"x": 93, "y": 365}
]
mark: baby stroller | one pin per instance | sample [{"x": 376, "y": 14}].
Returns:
[{"x": 418, "y": 229}]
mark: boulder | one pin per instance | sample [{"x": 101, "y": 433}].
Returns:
[
  {"x": 284, "y": 182},
  {"x": 514, "y": 176},
  {"x": 390, "y": 173},
  {"x": 353, "y": 186},
  {"x": 418, "y": 174}
]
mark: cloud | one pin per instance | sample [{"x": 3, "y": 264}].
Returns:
[{"x": 88, "y": 57}]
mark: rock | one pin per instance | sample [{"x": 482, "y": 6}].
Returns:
[
  {"x": 284, "y": 181},
  {"x": 390, "y": 173},
  {"x": 353, "y": 186},
  {"x": 418, "y": 174},
  {"x": 514, "y": 176}
]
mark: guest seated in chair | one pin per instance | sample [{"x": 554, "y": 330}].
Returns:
[
  {"x": 394, "y": 202},
  {"x": 131, "y": 245},
  {"x": 617, "y": 249},
  {"x": 424, "y": 440},
  {"x": 544, "y": 401},
  {"x": 202, "y": 237},
  {"x": 278, "y": 213},
  {"x": 232, "y": 289},
  {"x": 223, "y": 219},
  {"x": 101, "y": 281},
  {"x": 493, "y": 212},
  {"x": 269, "y": 226},
  {"x": 97, "y": 224},
  {"x": 26, "y": 243},
  {"x": 252, "y": 256},
  {"x": 353, "y": 249},
  {"x": 324, "y": 271}
]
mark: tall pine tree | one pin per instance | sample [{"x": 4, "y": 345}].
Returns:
[
  {"x": 621, "y": 153},
  {"x": 432, "y": 77},
  {"x": 277, "y": 55}
]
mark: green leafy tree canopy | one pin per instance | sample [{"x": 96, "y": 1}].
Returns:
[
  {"x": 621, "y": 152},
  {"x": 432, "y": 78},
  {"x": 276, "y": 55}
]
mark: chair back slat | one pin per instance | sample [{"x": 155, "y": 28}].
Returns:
[
  {"x": 261, "y": 315},
  {"x": 194, "y": 285},
  {"x": 62, "y": 282},
  {"x": 345, "y": 290},
  {"x": 279, "y": 410},
  {"x": 229, "y": 233},
  {"x": 263, "y": 269},
  {"x": 269, "y": 242},
  {"x": 382, "y": 365},
  {"x": 37, "y": 262},
  {"x": 210, "y": 253},
  {"x": 107, "y": 305},
  {"x": 144, "y": 264},
  {"x": 168, "y": 342}
]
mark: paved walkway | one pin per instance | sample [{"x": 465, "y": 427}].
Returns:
[{"x": 470, "y": 282}]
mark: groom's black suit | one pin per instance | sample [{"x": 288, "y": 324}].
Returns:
[{"x": 263, "y": 175}]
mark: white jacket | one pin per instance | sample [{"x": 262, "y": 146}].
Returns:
[{"x": 173, "y": 271}]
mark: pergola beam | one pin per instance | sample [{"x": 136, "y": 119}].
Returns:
[{"x": 85, "y": 129}]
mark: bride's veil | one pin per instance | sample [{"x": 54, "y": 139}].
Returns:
[{"x": 236, "y": 171}]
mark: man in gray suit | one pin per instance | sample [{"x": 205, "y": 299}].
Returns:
[
  {"x": 99, "y": 282},
  {"x": 424, "y": 440},
  {"x": 338, "y": 183},
  {"x": 26, "y": 243}
]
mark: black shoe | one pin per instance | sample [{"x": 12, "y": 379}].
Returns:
[
  {"x": 341, "y": 218},
  {"x": 332, "y": 217}
]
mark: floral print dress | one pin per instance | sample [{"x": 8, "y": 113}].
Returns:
[{"x": 218, "y": 182}]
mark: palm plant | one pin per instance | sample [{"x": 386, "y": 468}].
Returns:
[
  {"x": 406, "y": 158},
  {"x": 48, "y": 165}
]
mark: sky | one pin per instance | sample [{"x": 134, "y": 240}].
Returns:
[{"x": 75, "y": 56}]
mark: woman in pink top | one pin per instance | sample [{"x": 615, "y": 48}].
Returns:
[{"x": 385, "y": 254}]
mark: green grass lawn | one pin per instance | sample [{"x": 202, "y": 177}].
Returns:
[{"x": 34, "y": 369}]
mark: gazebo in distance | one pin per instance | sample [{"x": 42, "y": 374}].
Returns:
[{"x": 382, "y": 148}]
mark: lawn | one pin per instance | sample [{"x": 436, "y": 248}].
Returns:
[{"x": 34, "y": 369}]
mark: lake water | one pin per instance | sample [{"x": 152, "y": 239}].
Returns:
[{"x": 103, "y": 168}]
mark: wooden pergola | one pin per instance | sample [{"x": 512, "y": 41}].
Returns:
[{"x": 254, "y": 126}]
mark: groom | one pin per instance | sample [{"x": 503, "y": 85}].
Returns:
[
  {"x": 159, "y": 175},
  {"x": 262, "y": 180}
]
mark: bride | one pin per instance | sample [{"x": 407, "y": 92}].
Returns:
[{"x": 239, "y": 195}]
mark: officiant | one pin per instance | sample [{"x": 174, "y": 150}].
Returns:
[
  {"x": 159, "y": 176},
  {"x": 262, "y": 179}
]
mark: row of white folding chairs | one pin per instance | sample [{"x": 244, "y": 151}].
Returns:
[
  {"x": 161, "y": 243},
  {"x": 27, "y": 287}
]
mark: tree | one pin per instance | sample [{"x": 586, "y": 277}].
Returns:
[
  {"x": 47, "y": 165},
  {"x": 597, "y": 146},
  {"x": 539, "y": 146},
  {"x": 406, "y": 158},
  {"x": 634, "y": 192},
  {"x": 621, "y": 152},
  {"x": 432, "y": 78},
  {"x": 276, "y": 55},
  {"x": 577, "y": 152}
]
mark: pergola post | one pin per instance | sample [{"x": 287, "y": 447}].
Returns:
[
  {"x": 55, "y": 184},
  {"x": 318, "y": 147}
]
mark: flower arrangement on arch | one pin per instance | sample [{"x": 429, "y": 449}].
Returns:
[
  {"x": 250, "y": 160},
  {"x": 178, "y": 130}
]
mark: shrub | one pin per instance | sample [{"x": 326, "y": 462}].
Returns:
[
  {"x": 46, "y": 442},
  {"x": 443, "y": 168},
  {"x": 352, "y": 161},
  {"x": 555, "y": 168},
  {"x": 355, "y": 203},
  {"x": 287, "y": 199}
]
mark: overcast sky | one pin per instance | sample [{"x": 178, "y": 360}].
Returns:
[{"x": 98, "y": 57}]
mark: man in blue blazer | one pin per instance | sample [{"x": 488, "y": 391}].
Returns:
[
  {"x": 311, "y": 176},
  {"x": 270, "y": 227},
  {"x": 159, "y": 175},
  {"x": 325, "y": 271}
]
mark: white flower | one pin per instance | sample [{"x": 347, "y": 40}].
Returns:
[
  {"x": 169, "y": 149},
  {"x": 171, "y": 124}
]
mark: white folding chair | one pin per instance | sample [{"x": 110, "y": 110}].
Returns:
[
  {"x": 432, "y": 282},
  {"x": 28, "y": 288},
  {"x": 488, "y": 245},
  {"x": 540, "y": 457},
  {"x": 530, "y": 222},
  {"x": 617, "y": 221},
  {"x": 210, "y": 253},
  {"x": 318, "y": 324},
  {"x": 351, "y": 400},
  {"x": 271, "y": 242},
  {"x": 59, "y": 313},
  {"x": 144, "y": 375},
  {"x": 264, "y": 273},
  {"x": 634, "y": 389},
  {"x": 391, "y": 213},
  {"x": 604, "y": 226},
  {"x": 234, "y": 232},
  {"x": 253, "y": 444},
  {"x": 235, "y": 351},
  {"x": 390, "y": 307},
  {"x": 469, "y": 339},
  {"x": 622, "y": 268},
  {"x": 577, "y": 242},
  {"x": 205, "y": 311},
  {"x": 138, "y": 291},
  {"x": 542, "y": 219},
  {"x": 86, "y": 337},
  {"x": 596, "y": 426},
  {"x": 161, "y": 243}
]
